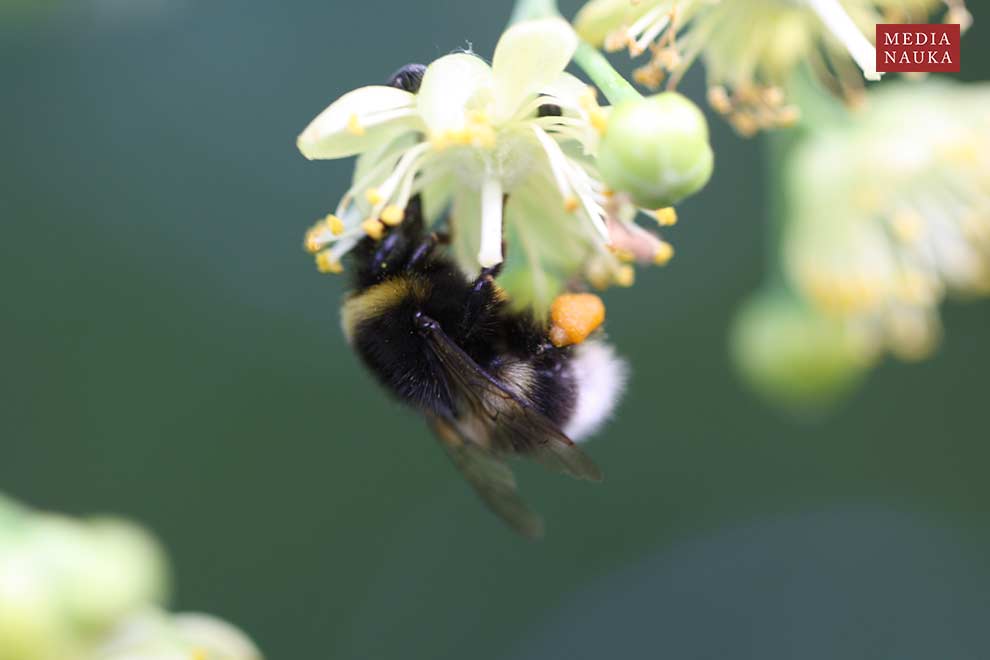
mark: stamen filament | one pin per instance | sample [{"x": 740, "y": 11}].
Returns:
[
  {"x": 845, "y": 30},
  {"x": 490, "y": 252}
]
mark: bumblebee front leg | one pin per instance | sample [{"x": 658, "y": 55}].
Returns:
[
  {"x": 389, "y": 249},
  {"x": 425, "y": 247}
]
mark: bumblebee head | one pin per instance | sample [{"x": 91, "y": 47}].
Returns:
[{"x": 408, "y": 77}]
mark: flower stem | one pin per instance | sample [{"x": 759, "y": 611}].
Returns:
[
  {"x": 777, "y": 145},
  {"x": 529, "y": 9},
  {"x": 615, "y": 88}
]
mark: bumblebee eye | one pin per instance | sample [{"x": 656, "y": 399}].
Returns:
[{"x": 408, "y": 77}]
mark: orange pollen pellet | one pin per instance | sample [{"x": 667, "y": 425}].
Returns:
[{"x": 574, "y": 316}]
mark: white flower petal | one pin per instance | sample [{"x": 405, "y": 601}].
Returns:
[
  {"x": 452, "y": 85},
  {"x": 568, "y": 89},
  {"x": 437, "y": 195},
  {"x": 529, "y": 56},
  {"x": 355, "y": 121}
]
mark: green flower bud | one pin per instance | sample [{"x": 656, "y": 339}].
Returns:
[
  {"x": 793, "y": 356},
  {"x": 656, "y": 150}
]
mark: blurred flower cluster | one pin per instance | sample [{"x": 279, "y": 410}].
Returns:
[
  {"x": 156, "y": 635},
  {"x": 752, "y": 48},
  {"x": 888, "y": 212},
  {"x": 892, "y": 211},
  {"x": 89, "y": 589},
  {"x": 521, "y": 160}
]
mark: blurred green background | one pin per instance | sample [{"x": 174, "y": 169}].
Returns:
[{"x": 170, "y": 353}]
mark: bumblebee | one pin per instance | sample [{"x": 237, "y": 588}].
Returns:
[{"x": 491, "y": 381}]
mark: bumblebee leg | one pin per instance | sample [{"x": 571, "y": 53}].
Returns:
[
  {"x": 425, "y": 247},
  {"x": 480, "y": 297},
  {"x": 388, "y": 250}
]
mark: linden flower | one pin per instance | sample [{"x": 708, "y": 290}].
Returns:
[
  {"x": 64, "y": 582},
  {"x": 507, "y": 147},
  {"x": 156, "y": 634},
  {"x": 471, "y": 126},
  {"x": 751, "y": 47},
  {"x": 889, "y": 217}
]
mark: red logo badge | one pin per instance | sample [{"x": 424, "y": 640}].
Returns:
[{"x": 917, "y": 47}]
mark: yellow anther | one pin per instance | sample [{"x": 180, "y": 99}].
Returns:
[
  {"x": 668, "y": 58},
  {"x": 916, "y": 289},
  {"x": 718, "y": 98},
  {"x": 439, "y": 141},
  {"x": 908, "y": 226},
  {"x": 599, "y": 274},
  {"x": 354, "y": 126},
  {"x": 326, "y": 263},
  {"x": 788, "y": 117},
  {"x": 625, "y": 276},
  {"x": 649, "y": 76},
  {"x": 748, "y": 94},
  {"x": 962, "y": 153},
  {"x": 314, "y": 240},
  {"x": 571, "y": 204},
  {"x": 373, "y": 196},
  {"x": 459, "y": 136},
  {"x": 588, "y": 98},
  {"x": 773, "y": 96},
  {"x": 666, "y": 217},
  {"x": 664, "y": 253},
  {"x": 622, "y": 254},
  {"x": 744, "y": 123},
  {"x": 478, "y": 117},
  {"x": 392, "y": 215},
  {"x": 373, "y": 228},
  {"x": 599, "y": 120},
  {"x": 616, "y": 40},
  {"x": 335, "y": 224},
  {"x": 199, "y": 654}
]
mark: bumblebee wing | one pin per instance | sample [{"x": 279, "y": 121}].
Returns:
[
  {"x": 508, "y": 423},
  {"x": 491, "y": 478}
]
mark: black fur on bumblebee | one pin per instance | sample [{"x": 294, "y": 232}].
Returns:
[{"x": 488, "y": 379}]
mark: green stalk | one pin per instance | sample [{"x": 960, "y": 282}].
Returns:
[
  {"x": 615, "y": 88},
  {"x": 777, "y": 144},
  {"x": 529, "y": 9}
]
